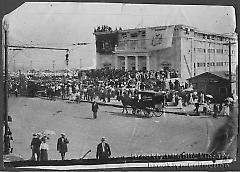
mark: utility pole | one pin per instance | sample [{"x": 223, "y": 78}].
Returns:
[
  {"x": 14, "y": 67},
  {"x": 80, "y": 64},
  {"x": 229, "y": 65},
  {"x": 53, "y": 70},
  {"x": 230, "y": 68},
  {"x": 6, "y": 141},
  {"x": 31, "y": 65},
  {"x": 53, "y": 65}
]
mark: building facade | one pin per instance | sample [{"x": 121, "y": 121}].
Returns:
[{"x": 182, "y": 48}]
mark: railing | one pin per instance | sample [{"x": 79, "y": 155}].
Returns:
[{"x": 131, "y": 46}]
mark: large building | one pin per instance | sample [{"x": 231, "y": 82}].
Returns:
[{"x": 185, "y": 49}]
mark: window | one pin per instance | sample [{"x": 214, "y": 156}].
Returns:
[
  {"x": 220, "y": 51},
  {"x": 201, "y": 50},
  {"x": 124, "y": 35},
  {"x": 200, "y": 64},
  {"x": 133, "y": 35},
  {"x": 143, "y": 33},
  {"x": 219, "y": 64},
  {"x": 211, "y": 50}
]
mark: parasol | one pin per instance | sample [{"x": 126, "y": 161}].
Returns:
[
  {"x": 188, "y": 89},
  {"x": 209, "y": 96},
  {"x": 230, "y": 99}
]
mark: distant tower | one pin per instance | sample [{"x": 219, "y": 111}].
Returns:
[{"x": 105, "y": 46}]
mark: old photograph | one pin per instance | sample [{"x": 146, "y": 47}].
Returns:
[{"x": 119, "y": 85}]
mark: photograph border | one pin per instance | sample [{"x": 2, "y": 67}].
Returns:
[{"x": 9, "y": 6}]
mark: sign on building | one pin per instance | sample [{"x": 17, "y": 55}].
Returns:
[{"x": 159, "y": 39}]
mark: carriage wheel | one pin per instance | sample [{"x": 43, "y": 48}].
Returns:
[
  {"x": 159, "y": 112},
  {"x": 153, "y": 113},
  {"x": 147, "y": 113},
  {"x": 134, "y": 111},
  {"x": 140, "y": 112}
]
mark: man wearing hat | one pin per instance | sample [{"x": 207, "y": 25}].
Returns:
[
  {"x": 62, "y": 145},
  {"x": 35, "y": 146},
  {"x": 103, "y": 150},
  {"x": 95, "y": 109}
]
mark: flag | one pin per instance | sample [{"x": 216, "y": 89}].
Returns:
[{"x": 159, "y": 39}]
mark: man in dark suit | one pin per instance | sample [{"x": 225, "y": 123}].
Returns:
[
  {"x": 103, "y": 150},
  {"x": 35, "y": 146},
  {"x": 95, "y": 109},
  {"x": 62, "y": 145}
]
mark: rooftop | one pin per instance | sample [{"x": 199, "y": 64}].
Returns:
[
  {"x": 220, "y": 74},
  {"x": 227, "y": 35}
]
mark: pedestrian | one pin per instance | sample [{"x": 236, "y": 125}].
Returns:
[
  {"x": 173, "y": 99},
  {"x": 215, "y": 110},
  {"x": 191, "y": 99},
  {"x": 225, "y": 109},
  {"x": 196, "y": 107},
  {"x": 95, "y": 109},
  {"x": 35, "y": 146},
  {"x": 44, "y": 150},
  {"x": 103, "y": 150},
  {"x": 16, "y": 92},
  {"x": 180, "y": 103},
  {"x": 205, "y": 107},
  {"x": 62, "y": 145}
]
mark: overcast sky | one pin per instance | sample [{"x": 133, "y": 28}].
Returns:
[{"x": 62, "y": 24}]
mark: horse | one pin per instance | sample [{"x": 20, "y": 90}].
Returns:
[
  {"x": 50, "y": 93},
  {"x": 127, "y": 101}
]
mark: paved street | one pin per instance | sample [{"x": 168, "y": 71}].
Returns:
[{"x": 125, "y": 133}]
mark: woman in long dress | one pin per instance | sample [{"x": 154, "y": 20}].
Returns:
[
  {"x": 173, "y": 99},
  {"x": 180, "y": 103},
  {"x": 225, "y": 110},
  {"x": 191, "y": 99},
  {"x": 44, "y": 150}
]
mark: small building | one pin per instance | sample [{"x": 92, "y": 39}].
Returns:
[{"x": 215, "y": 84}]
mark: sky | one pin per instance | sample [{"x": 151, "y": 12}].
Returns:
[{"x": 52, "y": 24}]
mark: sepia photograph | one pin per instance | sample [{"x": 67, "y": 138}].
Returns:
[{"x": 96, "y": 86}]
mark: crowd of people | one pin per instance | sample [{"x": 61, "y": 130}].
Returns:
[
  {"x": 105, "y": 28},
  {"x": 105, "y": 84}
]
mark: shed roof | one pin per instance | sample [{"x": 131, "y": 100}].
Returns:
[{"x": 220, "y": 74}]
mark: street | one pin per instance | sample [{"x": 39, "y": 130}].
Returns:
[{"x": 125, "y": 133}]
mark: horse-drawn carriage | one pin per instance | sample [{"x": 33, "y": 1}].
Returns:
[{"x": 145, "y": 103}]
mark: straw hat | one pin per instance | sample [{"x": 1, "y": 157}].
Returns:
[{"x": 103, "y": 139}]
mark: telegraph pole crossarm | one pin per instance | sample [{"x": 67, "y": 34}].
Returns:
[{"x": 37, "y": 47}]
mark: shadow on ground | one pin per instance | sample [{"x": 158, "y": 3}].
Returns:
[{"x": 128, "y": 115}]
